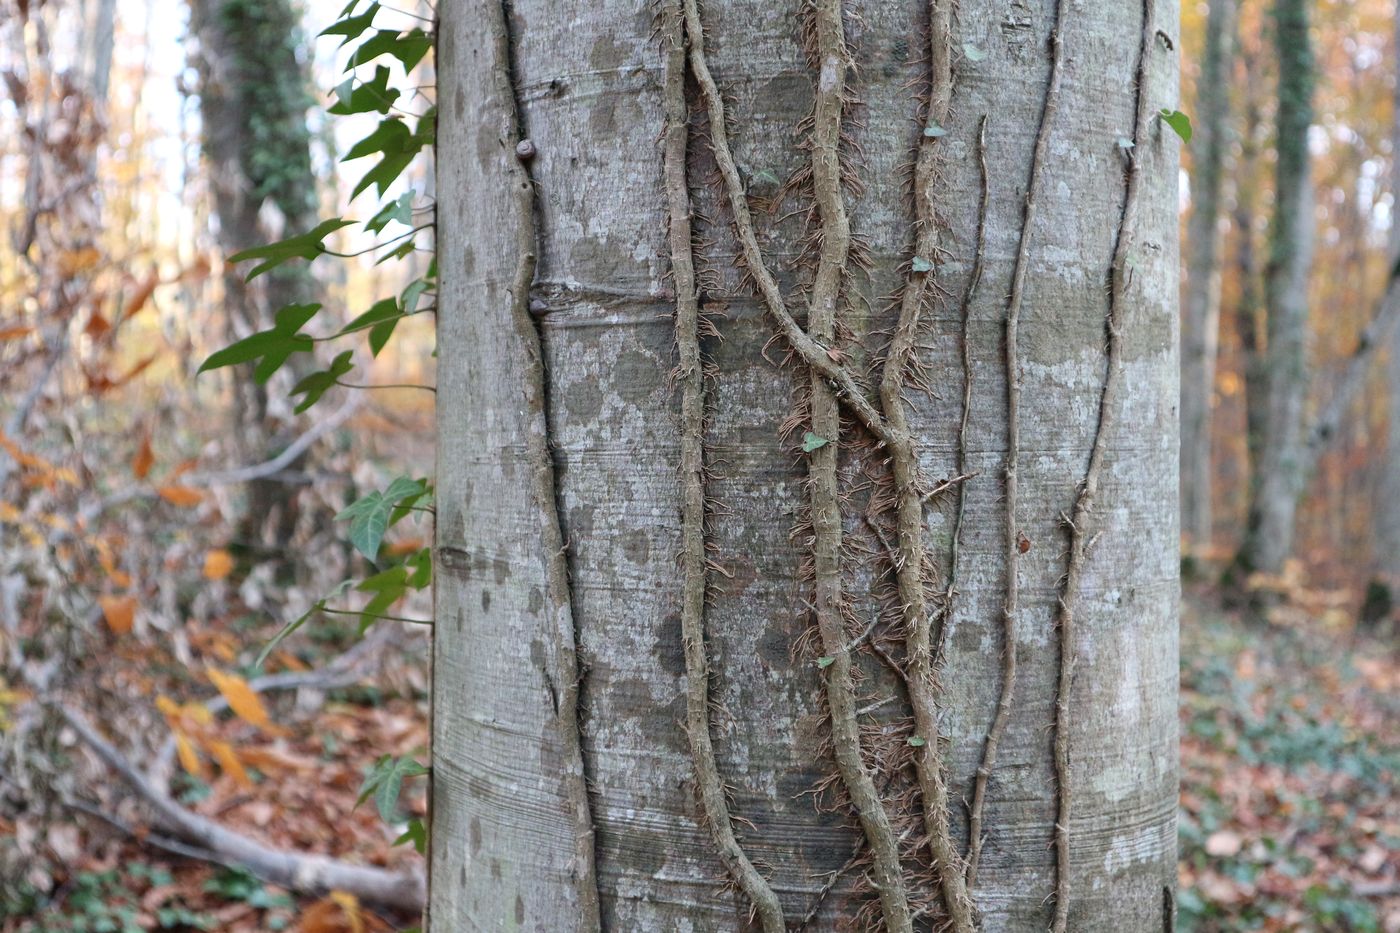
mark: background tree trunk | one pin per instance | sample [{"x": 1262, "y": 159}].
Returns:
[
  {"x": 1200, "y": 313},
  {"x": 254, "y": 93},
  {"x": 1388, "y": 509},
  {"x": 1280, "y": 469},
  {"x": 560, "y": 674}
]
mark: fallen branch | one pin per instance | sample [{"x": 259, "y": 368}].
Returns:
[
  {"x": 234, "y": 476},
  {"x": 295, "y": 871}
]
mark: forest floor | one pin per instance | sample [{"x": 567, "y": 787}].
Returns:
[{"x": 1290, "y": 806}]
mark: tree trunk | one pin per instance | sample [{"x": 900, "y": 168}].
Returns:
[
  {"x": 254, "y": 94},
  {"x": 1200, "y": 312},
  {"x": 728, "y": 540},
  {"x": 1388, "y": 509},
  {"x": 1281, "y": 469}
]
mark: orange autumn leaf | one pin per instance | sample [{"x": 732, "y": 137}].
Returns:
[
  {"x": 14, "y": 333},
  {"x": 244, "y": 702},
  {"x": 228, "y": 763},
  {"x": 183, "y": 496},
  {"x": 218, "y": 564},
  {"x": 119, "y": 611},
  {"x": 141, "y": 296},
  {"x": 145, "y": 459},
  {"x": 97, "y": 326},
  {"x": 189, "y": 756}
]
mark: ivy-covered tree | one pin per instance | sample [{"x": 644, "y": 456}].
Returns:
[
  {"x": 807, "y": 473},
  {"x": 254, "y": 94}
]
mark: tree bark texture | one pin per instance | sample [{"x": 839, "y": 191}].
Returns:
[
  {"x": 1200, "y": 311},
  {"x": 1280, "y": 469},
  {"x": 254, "y": 93},
  {"x": 860, "y": 206}
]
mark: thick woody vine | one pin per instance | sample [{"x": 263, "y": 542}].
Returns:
[
  {"x": 834, "y": 390},
  {"x": 910, "y": 865}
]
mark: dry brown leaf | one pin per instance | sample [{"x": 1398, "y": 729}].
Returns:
[
  {"x": 145, "y": 459},
  {"x": 218, "y": 564},
  {"x": 183, "y": 496},
  {"x": 119, "y": 612}
]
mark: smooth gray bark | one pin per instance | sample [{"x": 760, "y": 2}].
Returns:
[
  {"x": 1280, "y": 469},
  {"x": 589, "y": 81},
  {"x": 1200, "y": 308}
]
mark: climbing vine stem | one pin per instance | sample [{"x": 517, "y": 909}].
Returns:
[
  {"x": 1078, "y": 523},
  {"x": 544, "y": 488},
  {"x": 690, "y": 375},
  {"x": 912, "y": 564}
]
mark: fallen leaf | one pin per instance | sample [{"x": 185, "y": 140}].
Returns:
[
  {"x": 218, "y": 564},
  {"x": 1224, "y": 844},
  {"x": 145, "y": 459},
  {"x": 246, "y": 704},
  {"x": 183, "y": 496},
  {"x": 119, "y": 612}
]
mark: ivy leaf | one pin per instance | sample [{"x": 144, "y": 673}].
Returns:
[
  {"x": 825, "y": 662},
  {"x": 921, "y": 264},
  {"x": 1178, "y": 121},
  {"x": 916, "y": 741},
  {"x": 398, "y": 147},
  {"x": 398, "y": 252},
  {"x": 934, "y": 130},
  {"x": 400, "y": 211},
  {"x": 371, "y": 515},
  {"x": 301, "y": 620},
  {"x": 811, "y": 442},
  {"x": 349, "y": 26},
  {"x": 1125, "y": 143},
  {"x": 385, "y": 781},
  {"x": 417, "y": 834},
  {"x": 415, "y": 290},
  {"x": 316, "y": 385},
  {"x": 408, "y": 47},
  {"x": 372, "y": 96},
  {"x": 270, "y": 347},
  {"x": 306, "y": 245},
  {"x": 380, "y": 320},
  {"x": 973, "y": 53},
  {"x": 388, "y": 587}
]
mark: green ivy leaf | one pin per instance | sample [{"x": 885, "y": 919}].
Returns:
[
  {"x": 1178, "y": 121},
  {"x": 825, "y": 662},
  {"x": 384, "y": 782},
  {"x": 388, "y": 586},
  {"x": 306, "y": 245},
  {"x": 380, "y": 320},
  {"x": 934, "y": 130},
  {"x": 318, "y": 383},
  {"x": 349, "y": 26},
  {"x": 301, "y": 620},
  {"x": 811, "y": 442},
  {"x": 417, "y": 834},
  {"x": 916, "y": 741},
  {"x": 371, "y": 515},
  {"x": 270, "y": 347},
  {"x": 921, "y": 264},
  {"x": 408, "y": 47},
  {"x": 400, "y": 211},
  {"x": 372, "y": 96}
]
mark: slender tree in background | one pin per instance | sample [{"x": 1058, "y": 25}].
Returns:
[
  {"x": 1280, "y": 469},
  {"x": 1388, "y": 509},
  {"x": 254, "y": 95},
  {"x": 1200, "y": 312},
  {"x": 896, "y": 613}
]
